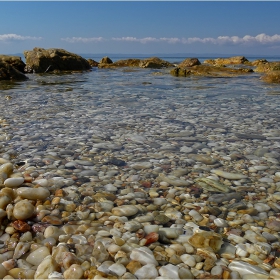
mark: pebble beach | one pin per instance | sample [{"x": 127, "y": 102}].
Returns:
[{"x": 137, "y": 174}]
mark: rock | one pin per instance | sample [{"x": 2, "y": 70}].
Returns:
[
  {"x": 37, "y": 256},
  {"x": 22, "y": 273},
  {"x": 219, "y": 198},
  {"x": 259, "y": 61},
  {"x": 272, "y": 77},
  {"x": 212, "y": 185},
  {"x": 244, "y": 268},
  {"x": 47, "y": 266},
  {"x": 23, "y": 210},
  {"x": 161, "y": 219},
  {"x": 151, "y": 238},
  {"x": 6, "y": 168},
  {"x": 229, "y": 60},
  {"x": 148, "y": 271},
  {"x": 172, "y": 233},
  {"x": 131, "y": 62},
  {"x": 189, "y": 62},
  {"x": 133, "y": 266},
  {"x": 117, "y": 269},
  {"x": 14, "y": 61},
  {"x": 39, "y": 193},
  {"x": 273, "y": 224},
  {"x": 209, "y": 71},
  {"x": 143, "y": 255},
  {"x": 154, "y": 62},
  {"x": 169, "y": 271},
  {"x": 92, "y": 62},
  {"x": 203, "y": 158},
  {"x": 125, "y": 210},
  {"x": 13, "y": 182},
  {"x": 206, "y": 239},
  {"x": 73, "y": 272},
  {"x": 172, "y": 180},
  {"x": 228, "y": 175},
  {"x": 141, "y": 165},
  {"x": 188, "y": 260},
  {"x": 3, "y": 271},
  {"x": 105, "y": 60},
  {"x": 41, "y": 60},
  {"x": 268, "y": 67},
  {"x": 8, "y": 72}
]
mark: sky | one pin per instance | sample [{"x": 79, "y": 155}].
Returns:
[{"x": 142, "y": 27}]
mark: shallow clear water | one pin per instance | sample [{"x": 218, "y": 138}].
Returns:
[{"x": 50, "y": 109}]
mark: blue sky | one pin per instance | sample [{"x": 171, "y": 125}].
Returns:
[{"x": 134, "y": 27}]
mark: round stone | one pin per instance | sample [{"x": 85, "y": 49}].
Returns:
[{"x": 23, "y": 210}]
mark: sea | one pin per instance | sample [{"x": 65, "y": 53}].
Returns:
[{"x": 151, "y": 142}]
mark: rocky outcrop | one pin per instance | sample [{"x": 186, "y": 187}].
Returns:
[
  {"x": 189, "y": 62},
  {"x": 153, "y": 62},
  {"x": 41, "y": 60},
  {"x": 268, "y": 66},
  {"x": 131, "y": 62},
  {"x": 272, "y": 77},
  {"x": 106, "y": 60},
  {"x": 259, "y": 61},
  {"x": 228, "y": 61},
  {"x": 92, "y": 62},
  {"x": 8, "y": 72},
  {"x": 14, "y": 61},
  {"x": 209, "y": 71}
]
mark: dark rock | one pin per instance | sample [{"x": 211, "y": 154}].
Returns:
[
  {"x": 14, "y": 61},
  {"x": 189, "y": 62},
  {"x": 40, "y": 60},
  {"x": 115, "y": 161},
  {"x": 161, "y": 219},
  {"x": 8, "y": 72}
]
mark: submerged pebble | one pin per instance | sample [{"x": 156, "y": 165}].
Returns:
[{"x": 146, "y": 182}]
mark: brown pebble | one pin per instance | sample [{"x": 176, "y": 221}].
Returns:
[
  {"x": 53, "y": 220},
  {"x": 133, "y": 266},
  {"x": 60, "y": 193},
  {"x": 21, "y": 226}
]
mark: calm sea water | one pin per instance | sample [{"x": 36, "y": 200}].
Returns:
[{"x": 50, "y": 111}]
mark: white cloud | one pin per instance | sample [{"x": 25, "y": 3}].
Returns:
[
  {"x": 134, "y": 39},
  {"x": 247, "y": 39},
  {"x": 220, "y": 40},
  {"x": 15, "y": 37},
  {"x": 82, "y": 39}
]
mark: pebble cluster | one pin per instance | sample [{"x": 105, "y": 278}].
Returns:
[{"x": 139, "y": 175}]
